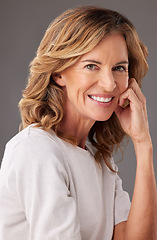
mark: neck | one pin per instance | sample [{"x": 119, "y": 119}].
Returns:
[{"x": 76, "y": 127}]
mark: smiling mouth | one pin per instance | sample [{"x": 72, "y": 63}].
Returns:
[{"x": 101, "y": 99}]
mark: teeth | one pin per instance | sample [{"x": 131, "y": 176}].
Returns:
[{"x": 101, "y": 99}]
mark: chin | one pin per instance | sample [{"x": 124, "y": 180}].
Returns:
[{"x": 103, "y": 118}]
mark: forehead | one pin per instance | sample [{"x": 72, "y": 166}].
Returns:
[{"x": 111, "y": 46}]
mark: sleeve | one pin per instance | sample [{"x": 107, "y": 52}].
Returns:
[
  {"x": 122, "y": 202},
  {"x": 38, "y": 181}
]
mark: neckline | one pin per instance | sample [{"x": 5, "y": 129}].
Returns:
[{"x": 76, "y": 147}]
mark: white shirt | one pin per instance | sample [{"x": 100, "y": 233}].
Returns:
[{"x": 52, "y": 190}]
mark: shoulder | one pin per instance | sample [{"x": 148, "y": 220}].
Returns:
[
  {"x": 32, "y": 146},
  {"x": 31, "y": 134},
  {"x": 32, "y": 163}
]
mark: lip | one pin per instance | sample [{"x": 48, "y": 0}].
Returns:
[
  {"x": 100, "y": 103},
  {"x": 102, "y": 95}
]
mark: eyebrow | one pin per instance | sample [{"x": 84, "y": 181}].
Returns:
[
  {"x": 122, "y": 62},
  {"x": 94, "y": 61}
]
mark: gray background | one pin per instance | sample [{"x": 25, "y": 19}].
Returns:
[{"x": 23, "y": 24}]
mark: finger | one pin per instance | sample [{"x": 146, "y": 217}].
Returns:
[
  {"x": 119, "y": 110},
  {"x": 127, "y": 95},
  {"x": 134, "y": 85},
  {"x": 130, "y": 95}
]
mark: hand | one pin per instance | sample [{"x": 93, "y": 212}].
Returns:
[{"x": 133, "y": 118}]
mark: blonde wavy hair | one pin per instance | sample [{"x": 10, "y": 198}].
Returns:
[{"x": 72, "y": 34}]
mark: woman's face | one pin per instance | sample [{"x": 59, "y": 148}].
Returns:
[{"x": 94, "y": 83}]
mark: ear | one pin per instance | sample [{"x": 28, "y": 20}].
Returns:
[{"x": 58, "y": 79}]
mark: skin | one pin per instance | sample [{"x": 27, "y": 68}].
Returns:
[{"x": 103, "y": 72}]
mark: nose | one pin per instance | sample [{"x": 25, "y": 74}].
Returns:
[{"x": 107, "y": 81}]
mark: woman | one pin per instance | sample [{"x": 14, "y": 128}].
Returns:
[{"x": 58, "y": 178}]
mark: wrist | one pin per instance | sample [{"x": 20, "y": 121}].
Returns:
[
  {"x": 144, "y": 152},
  {"x": 143, "y": 143}
]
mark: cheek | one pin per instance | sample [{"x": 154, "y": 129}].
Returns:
[
  {"x": 126, "y": 83},
  {"x": 123, "y": 85}
]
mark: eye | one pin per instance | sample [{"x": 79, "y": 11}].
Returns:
[
  {"x": 120, "y": 69},
  {"x": 91, "y": 67}
]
